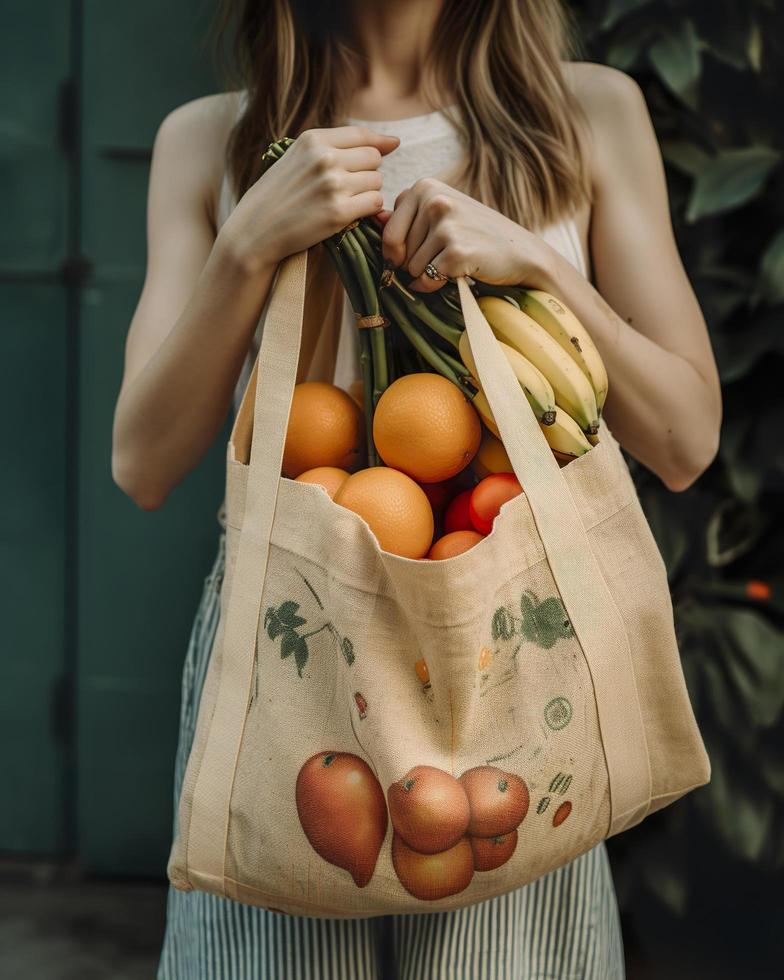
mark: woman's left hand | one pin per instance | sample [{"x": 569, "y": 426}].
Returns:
[{"x": 434, "y": 224}]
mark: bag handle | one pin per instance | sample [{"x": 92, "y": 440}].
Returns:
[{"x": 589, "y": 604}]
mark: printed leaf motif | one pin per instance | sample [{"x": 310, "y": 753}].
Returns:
[
  {"x": 287, "y": 613},
  {"x": 544, "y": 623},
  {"x": 503, "y": 625},
  {"x": 348, "y": 650}
]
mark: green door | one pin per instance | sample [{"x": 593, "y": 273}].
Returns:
[
  {"x": 35, "y": 329},
  {"x": 140, "y": 574},
  {"x": 97, "y": 597}
]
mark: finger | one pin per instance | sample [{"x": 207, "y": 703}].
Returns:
[
  {"x": 383, "y": 216},
  {"x": 433, "y": 244},
  {"x": 359, "y": 158},
  {"x": 393, "y": 242},
  {"x": 346, "y": 137},
  {"x": 441, "y": 261},
  {"x": 364, "y": 205},
  {"x": 417, "y": 234},
  {"x": 364, "y": 180}
]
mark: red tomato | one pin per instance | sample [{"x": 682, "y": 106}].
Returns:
[
  {"x": 488, "y": 496},
  {"x": 457, "y": 517}
]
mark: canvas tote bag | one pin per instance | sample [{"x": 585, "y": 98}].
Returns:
[{"x": 379, "y": 735}]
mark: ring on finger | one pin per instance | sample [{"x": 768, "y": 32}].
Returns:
[{"x": 432, "y": 273}]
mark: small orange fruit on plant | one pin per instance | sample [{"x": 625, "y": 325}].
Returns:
[
  {"x": 395, "y": 508},
  {"x": 325, "y": 429},
  {"x": 424, "y": 426}
]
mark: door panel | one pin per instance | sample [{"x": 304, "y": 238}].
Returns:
[
  {"x": 140, "y": 573},
  {"x": 34, "y": 178}
]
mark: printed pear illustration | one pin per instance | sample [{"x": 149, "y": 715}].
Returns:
[{"x": 342, "y": 810}]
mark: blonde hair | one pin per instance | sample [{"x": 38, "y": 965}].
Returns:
[{"x": 502, "y": 59}]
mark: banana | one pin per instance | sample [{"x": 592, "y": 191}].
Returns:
[
  {"x": 491, "y": 457},
  {"x": 573, "y": 390},
  {"x": 564, "y": 327},
  {"x": 565, "y": 437},
  {"x": 481, "y": 404},
  {"x": 537, "y": 388}
]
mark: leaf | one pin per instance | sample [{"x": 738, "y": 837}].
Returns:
[
  {"x": 733, "y": 530},
  {"x": 676, "y": 60},
  {"x": 287, "y": 614},
  {"x": 273, "y": 624},
  {"x": 730, "y": 179},
  {"x": 771, "y": 272},
  {"x": 685, "y": 155},
  {"x": 627, "y": 45},
  {"x": 757, "y": 667},
  {"x": 502, "y": 626},
  {"x": 667, "y": 880},
  {"x": 618, "y": 9},
  {"x": 348, "y": 650}
]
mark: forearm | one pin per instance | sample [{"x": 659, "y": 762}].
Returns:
[
  {"x": 170, "y": 413},
  {"x": 659, "y": 407}
]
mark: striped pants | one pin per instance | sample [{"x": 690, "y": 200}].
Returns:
[{"x": 563, "y": 926}]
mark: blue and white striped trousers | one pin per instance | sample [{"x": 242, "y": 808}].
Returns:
[{"x": 563, "y": 926}]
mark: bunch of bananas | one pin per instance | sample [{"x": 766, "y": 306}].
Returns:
[{"x": 556, "y": 362}]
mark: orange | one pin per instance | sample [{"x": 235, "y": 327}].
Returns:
[
  {"x": 325, "y": 429},
  {"x": 330, "y": 477},
  {"x": 425, "y": 427},
  {"x": 395, "y": 508},
  {"x": 454, "y": 543}
]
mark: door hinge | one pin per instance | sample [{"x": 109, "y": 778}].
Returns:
[{"x": 68, "y": 115}]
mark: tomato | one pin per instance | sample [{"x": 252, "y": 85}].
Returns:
[
  {"x": 457, "y": 517},
  {"x": 488, "y": 496},
  {"x": 438, "y": 493}
]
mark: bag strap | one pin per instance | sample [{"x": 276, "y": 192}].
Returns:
[
  {"x": 592, "y": 611},
  {"x": 584, "y": 592}
]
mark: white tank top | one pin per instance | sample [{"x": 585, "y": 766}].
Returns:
[{"x": 430, "y": 146}]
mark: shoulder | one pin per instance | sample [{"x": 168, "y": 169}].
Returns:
[
  {"x": 191, "y": 143},
  {"x": 618, "y": 123}
]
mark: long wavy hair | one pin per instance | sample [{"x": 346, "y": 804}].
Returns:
[{"x": 521, "y": 125}]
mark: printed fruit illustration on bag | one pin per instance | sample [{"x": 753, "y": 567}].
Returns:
[
  {"x": 418, "y": 456},
  {"x": 446, "y": 829},
  {"x": 342, "y": 811}
]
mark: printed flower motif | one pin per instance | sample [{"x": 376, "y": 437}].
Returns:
[{"x": 544, "y": 623}]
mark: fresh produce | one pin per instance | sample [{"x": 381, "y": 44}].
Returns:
[
  {"x": 573, "y": 391},
  {"x": 564, "y": 327},
  {"x": 491, "y": 456},
  {"x": 423, "y": 426},
  {"x": 487, "y": 498},
  {"x": 325, "y": 429},
  {"x": 537, "y": 388},
  {"x": 429, "y": 809},
  {"x": 330, "y": 477},
  {"x": 433, "y": 876},
  {"x": 342, "y": 810},
  {"x": 454, "y": 543},
  {"x": 395, "y": 508},
  {"x": 457, "y": 516},
  {"x": 565, "y": 436}
]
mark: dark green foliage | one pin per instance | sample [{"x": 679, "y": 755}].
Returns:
[{"x": 712, "y": 74}]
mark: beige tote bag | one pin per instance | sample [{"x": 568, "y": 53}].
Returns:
[{"x": 379, "y": 735}]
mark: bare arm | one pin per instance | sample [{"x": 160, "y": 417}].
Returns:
[
  {"x": 664, "y": 404},
  {"x": 203, "y": 293}
]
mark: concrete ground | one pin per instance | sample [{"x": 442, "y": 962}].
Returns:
[{"x": 54, "y": 926}]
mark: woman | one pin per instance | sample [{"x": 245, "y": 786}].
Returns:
[{"x": 472, "y": 102}]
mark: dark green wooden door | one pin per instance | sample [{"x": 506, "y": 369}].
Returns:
[
  {"x": 140, "y": 574},
  {"x": 35, "y": 328},
  {"x": 98, "y": 597}
]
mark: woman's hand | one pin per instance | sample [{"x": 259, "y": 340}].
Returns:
[
  {"x": 327, "y": 179},
  {"x": 435, "y": 224}
]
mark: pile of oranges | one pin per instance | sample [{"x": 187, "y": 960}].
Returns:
[{"x": 425, "y": 502}]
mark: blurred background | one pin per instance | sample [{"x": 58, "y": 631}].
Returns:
[{"x": 98, "y": 598}]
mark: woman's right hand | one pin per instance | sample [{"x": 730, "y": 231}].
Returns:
[{"x": 325, "y": 180}]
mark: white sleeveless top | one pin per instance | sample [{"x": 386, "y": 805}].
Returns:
[{"x": 429, "y": 146}]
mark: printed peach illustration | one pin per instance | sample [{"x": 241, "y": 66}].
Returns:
[
  {"x": 429, "y": 809},
  {"x": 433, "y": 876},
  {"x": 498, "y": 801},
  {"x": 491, "y": 852},
  {"x": 342, "y": 810}
]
